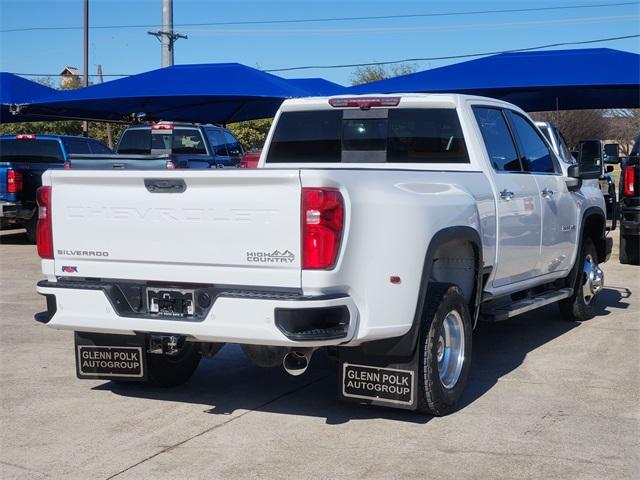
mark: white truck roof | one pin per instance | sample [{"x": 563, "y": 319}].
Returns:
[{"x": 435, "y": 100}]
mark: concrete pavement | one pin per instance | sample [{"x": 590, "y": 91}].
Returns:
[{"x": 546, "y": 399}]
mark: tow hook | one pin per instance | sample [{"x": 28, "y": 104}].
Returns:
[{"x": 165, "y": 344}]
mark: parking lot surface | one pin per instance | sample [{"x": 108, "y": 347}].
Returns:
[{"x": 546, "y": 399}]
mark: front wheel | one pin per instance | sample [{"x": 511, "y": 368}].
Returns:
[
  {"x": 581, "y": 305},
  {"x": 445, "y": 349}
]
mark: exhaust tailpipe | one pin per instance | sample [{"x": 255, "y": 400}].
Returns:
[{"x": 296, "y": 361}]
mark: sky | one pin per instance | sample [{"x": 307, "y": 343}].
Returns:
[{"x": 423, "y": 32}]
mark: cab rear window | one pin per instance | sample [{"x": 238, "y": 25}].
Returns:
[
  {"x": 424, "y": 135},
  {"x": 30, "y": 151},
  {"x": 179, "y": 141}
]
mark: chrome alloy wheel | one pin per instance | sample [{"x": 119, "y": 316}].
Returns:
[
  {"x": 592, "y": 279},
  {"x": 451, "y": 349}
]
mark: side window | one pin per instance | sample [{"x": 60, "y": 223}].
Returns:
[
  {"x": 74, "y": 146},
  {"x": 217, "y": 142},
  {"x": 30, "y": 151},
  {"x": 233, "y": 145},
  {"x": 498, "y": 139},
  {"x": 188, "y": 141},
  {"x": 536, "y": 156},
  {"x": 135, "y": 141},
  {"x": 99, "y": 148}
]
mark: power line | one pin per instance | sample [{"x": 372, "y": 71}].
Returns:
[
  {"x": 452, "y": 57},
  {"x": 391, "y": 62},
  {"x": 333, "y": 19},
  {"x": 422, "y": 28}
]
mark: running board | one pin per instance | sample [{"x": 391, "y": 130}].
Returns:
[{"x": 518, "y": 307}]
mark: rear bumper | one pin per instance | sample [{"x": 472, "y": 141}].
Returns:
[
  {"x": 260, "y": 319},
  {"x": 9, "y": 209},
  {"x": 14, "y": 211}
]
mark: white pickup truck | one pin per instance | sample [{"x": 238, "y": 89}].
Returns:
[{"x": 380, "y": 227}]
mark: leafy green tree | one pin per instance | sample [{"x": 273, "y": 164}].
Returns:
[
  {"x": 252, "y": 133},
  {"x": 373, "y": 73}
]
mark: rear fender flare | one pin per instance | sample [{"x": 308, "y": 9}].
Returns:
[{"x": 403, "y": 347}]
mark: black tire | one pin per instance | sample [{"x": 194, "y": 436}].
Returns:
[
  {"x": 172, "y": 370},
  {"x": 31, "y": 225},
  {"x": 575, "y": 308},
  {"x": 629, "y": 249},
  {"x": 433, "y": 396}
]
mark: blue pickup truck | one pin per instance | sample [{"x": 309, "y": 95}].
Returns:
[{"x": 23, "y": 160}]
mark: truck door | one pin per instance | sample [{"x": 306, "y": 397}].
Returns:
[
  {"x": 218, "y": 146},
  {"x": 517, "y": 203},
  {"x": 559, "y": 210}
]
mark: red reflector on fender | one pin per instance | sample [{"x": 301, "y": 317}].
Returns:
[{"x": 322, "y": 227}]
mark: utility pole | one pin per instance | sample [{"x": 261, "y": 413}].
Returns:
[
  {"x": 85, "y": 124},
  {"x": 109, "y": 138},
  {"x": 166, "y": 36}
]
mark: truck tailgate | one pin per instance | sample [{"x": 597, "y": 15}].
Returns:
[{"x": 227, "y": 227}]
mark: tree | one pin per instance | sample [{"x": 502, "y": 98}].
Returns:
[
  {"x": 576, "y": 125},
  {"x": 373, "y": 73},
  {"x": 624, "y": 127},
  {"x": 252, "y": 133},
  {"x": 620, "y": 126}
]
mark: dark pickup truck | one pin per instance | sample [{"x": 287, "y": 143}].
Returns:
[
  {"x": 23, "y": 160},
  {"x": 190, "y": 145},
  {"x": 630, "y": 207}
]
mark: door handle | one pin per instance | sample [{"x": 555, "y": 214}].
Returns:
[
  {"x": 506, "y": 195},
  {"x": 547, "y": 193},
  {"x": 159, "y": 185},
  {"x": 118, "y": 165}
]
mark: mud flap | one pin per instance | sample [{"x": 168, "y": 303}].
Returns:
[
  {"x": 376, "y": 380},
  {"x": 110, "y": 357}
]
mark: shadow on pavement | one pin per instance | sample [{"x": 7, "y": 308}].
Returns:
[
  {"x": 229, "y": 382},
  {"x": 612, "y": 297}
]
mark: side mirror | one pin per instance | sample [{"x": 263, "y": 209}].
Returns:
[
  {"x": 573, "y": 180},
  {"x": 590, "y": 159},
  {"x": 612, "y": 150}
]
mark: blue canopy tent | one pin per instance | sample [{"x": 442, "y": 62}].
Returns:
[
  {"x": 15, "y": 90},
  {"x": 207, "y": 93},
  {"x": 535, "y": 81},
  {"x": 318, "y": 87}
]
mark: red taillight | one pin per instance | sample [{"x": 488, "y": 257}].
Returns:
[
  {"x": 25, "y": 136},
  {"x": 14, "y": 181},
  {"x": 322, "y": 226},
  {"x": 44, "y": 232},
  {"x": 364, "y": 103},
  {"x": 629, "y": 181},
  {"x": 162, "y": 126}
]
